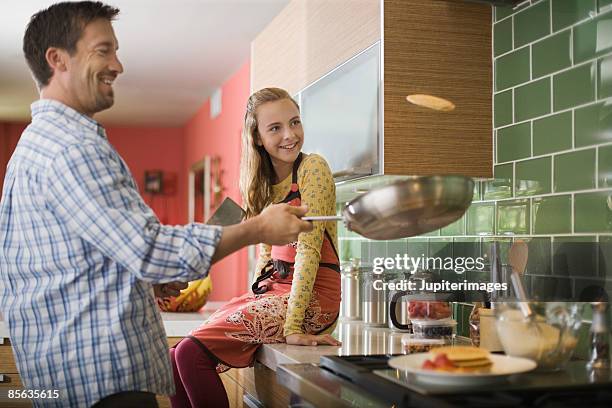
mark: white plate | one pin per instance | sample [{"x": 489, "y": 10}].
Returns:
[{"x": 501, "y": 369}]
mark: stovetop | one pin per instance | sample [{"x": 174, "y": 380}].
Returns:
[{"x": 573, "y": 387}]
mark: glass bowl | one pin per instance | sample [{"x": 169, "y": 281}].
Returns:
[{"x": 549, "y": 338}]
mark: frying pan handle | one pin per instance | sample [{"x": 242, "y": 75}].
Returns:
[
  {"x": 324, "y": 218},
  {"x": 392, "y": 308}
]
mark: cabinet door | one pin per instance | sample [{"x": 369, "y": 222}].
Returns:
[{"x": 340, "y": 115}]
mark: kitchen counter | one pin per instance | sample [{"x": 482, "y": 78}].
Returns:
[
  {"x": 356, "y": 338},
  {"x": 176, "y": 324}
]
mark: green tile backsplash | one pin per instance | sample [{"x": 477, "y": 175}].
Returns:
[
  {"x": 512, "y": 69},
  {"x": 552, "y": 133},
  {"x": 514, "y": 142},
  {"x": 568, "y": 12},
  {"x": 593, "y": 124},
  {"x": 592, "y": 38},
  {"x": 575, "y": 171},
  {"x": 574, "y": 87},
  {"x": 532, "y": 100},
  {"x": 551, "y": 54},
  {"x": 552, "y": 183}
]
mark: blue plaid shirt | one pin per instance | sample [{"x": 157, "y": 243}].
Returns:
[{"x": 79, "y": 251}]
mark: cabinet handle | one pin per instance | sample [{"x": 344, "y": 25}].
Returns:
[{"x": 4, "y": 379}]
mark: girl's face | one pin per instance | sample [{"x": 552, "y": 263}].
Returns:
[{"x": 280, "y": 130}]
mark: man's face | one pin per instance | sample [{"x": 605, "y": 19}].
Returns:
[{"x": 93, "y": 68}]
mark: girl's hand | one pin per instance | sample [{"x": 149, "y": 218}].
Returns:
[{"x": 311, "y": 339}]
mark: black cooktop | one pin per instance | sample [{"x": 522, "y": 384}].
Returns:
[{"x": 573, "y": 387}]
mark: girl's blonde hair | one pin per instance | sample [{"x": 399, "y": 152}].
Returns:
[{"x": 256, "y": 171}]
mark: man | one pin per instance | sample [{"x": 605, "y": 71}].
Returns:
[{"x": 79, "y": 248}]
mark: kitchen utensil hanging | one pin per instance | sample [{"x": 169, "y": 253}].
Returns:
[{"x": 414, "y": 206}]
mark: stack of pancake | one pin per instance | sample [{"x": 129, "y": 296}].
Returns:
[{"x": 461, "y": 359}]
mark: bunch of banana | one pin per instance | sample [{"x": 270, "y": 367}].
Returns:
[{"x": 191, "y": 298}]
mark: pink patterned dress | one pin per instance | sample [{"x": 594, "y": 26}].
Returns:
[{"x": 232, "y": 334}]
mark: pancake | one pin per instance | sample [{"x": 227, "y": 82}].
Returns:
[{"x": 460, "y": 354}]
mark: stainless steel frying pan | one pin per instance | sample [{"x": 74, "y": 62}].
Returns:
[{"x": 406, "y": 208}]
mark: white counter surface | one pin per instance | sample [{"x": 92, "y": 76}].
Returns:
[{"x": 356, "y": 338}]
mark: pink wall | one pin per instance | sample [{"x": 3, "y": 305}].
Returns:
[
  {"x": 221, "y": 137},
  {"x": 9, "y": 136},
  {"x": 155, "y": 149}
]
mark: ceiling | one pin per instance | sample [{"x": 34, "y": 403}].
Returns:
[{"x": 175, "y": 53}]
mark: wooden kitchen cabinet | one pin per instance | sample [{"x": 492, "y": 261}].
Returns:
[
  {"x": 436, "y": 47},
  {"x": 9, "y": 377}
]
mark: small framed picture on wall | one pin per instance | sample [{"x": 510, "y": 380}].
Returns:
[{"x": 153, "y": 182}]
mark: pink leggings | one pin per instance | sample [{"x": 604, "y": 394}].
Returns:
[{"x": 196, "y": 379}]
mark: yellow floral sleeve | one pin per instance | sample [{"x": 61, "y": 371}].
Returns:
[
  {"x": 318, "y": 192},
  {"x": 265, "y": 252}
]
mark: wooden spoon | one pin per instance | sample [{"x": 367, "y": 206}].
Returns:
[
  {"x": 431, "y": 102},
  {"x": 518, "y": 260}
]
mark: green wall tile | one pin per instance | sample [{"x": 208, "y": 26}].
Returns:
[
  {"x": 605, "y": 257},
  {"x": 501, "y": 185},
  {"x": 417, "y": 247},
  {"x": 605, "y": 5},
  {"x": 466, "y": 247},
  {"x": 574, "y": 87},
  {"x": 592, "y": 38},
  {"x": 551, "y": 54},
  {"x": 605, "y": 167},
  {"x": 593, "y": 212},
  {"x": 397, "y": 247},
  {"x": 552, "y": 215},
  {"x": 514, "y": 142},
  {"x": 575, "y": 256},
  {"x": 532, "y": 100},
  {"x": 512, "y": 69},
  {"x": 502, "y": 37},
  {"x": 604, "y": 76},
  {"x": 568, "y": 12},
  {"x": 583, "y": 347},
  {"x": 533, "y": 177},
  {"x": 552, "y": 134},
  {"x": 503, "y": 108},
  {"x": 481, "y": 219},
  {"x": 513, "y": 217},
  {"x": 477, "y": 189},
  {"x": 532, "y": 23},
  {"x": 441, "y": 247},
  {"x": 377, "y": 249},
  {"x": 575, "y": 171},
  {"x": 593, "y": 124},
  {"x": 540, "y": 252},
  {"x": 454, "y": 229},
  {"x": 502, "y": 12}
]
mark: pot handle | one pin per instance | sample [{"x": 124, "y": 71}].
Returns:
[{"x": 392, "y": 308}]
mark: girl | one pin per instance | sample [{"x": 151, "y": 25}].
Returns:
[{"x": 296, "y": 295}]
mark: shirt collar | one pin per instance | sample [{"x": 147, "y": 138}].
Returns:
[{"x": 51, "y": 105}]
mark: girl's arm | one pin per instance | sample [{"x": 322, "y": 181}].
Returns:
[
  {"x": 265, "y": 254},
  {"x": 319, "y": 194}
]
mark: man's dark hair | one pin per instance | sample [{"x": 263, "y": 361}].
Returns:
[{"x": 61, "y": 26}]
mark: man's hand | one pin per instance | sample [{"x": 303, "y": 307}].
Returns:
[
  {"x": 170, "y": 289},
  {"x": 277, "y": 225},
  {"x": 311, "y": 339},
  {"x": 281, "y": 223}
]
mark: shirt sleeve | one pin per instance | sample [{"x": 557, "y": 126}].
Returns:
[
  {"x": 318, "y": 191},
  {"x": 95, "y": 197},
  {"x": 265, "y": 254}
]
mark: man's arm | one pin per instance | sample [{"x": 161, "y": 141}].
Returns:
[
  {"x": 95, "y": 200},
  {"x": 276, "y": 225}
]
